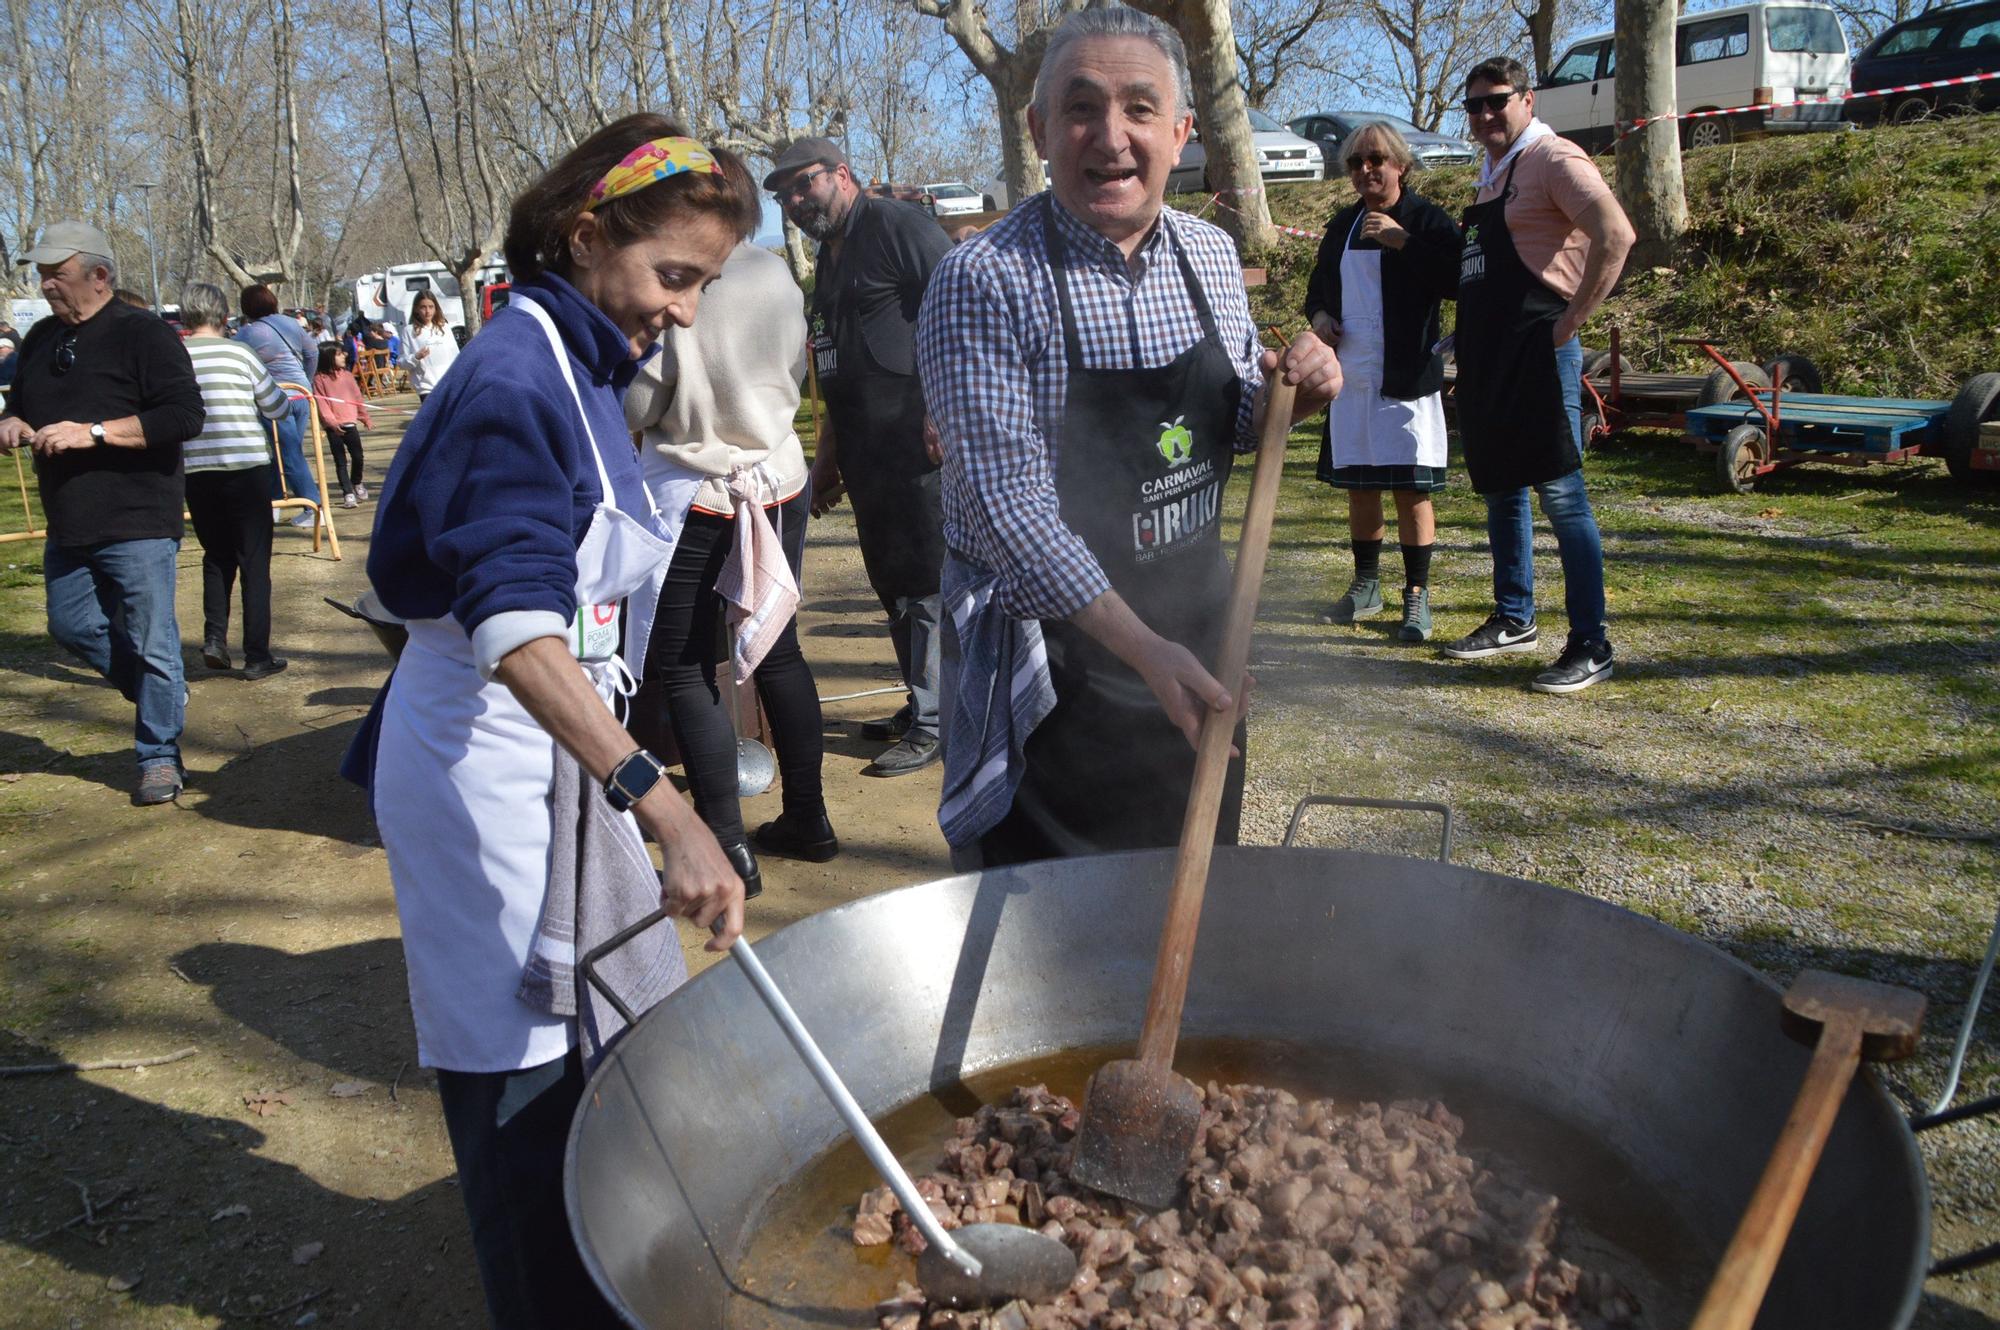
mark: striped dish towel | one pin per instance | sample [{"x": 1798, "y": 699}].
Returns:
[{"x": 1000, "y": 693}]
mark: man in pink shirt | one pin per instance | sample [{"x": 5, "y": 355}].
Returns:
[{"x": 1544, "y": 242}]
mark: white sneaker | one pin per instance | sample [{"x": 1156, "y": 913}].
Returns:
[
  {"x": 361, "y": 492},
  {"x": 305, "y": 518},
  {"x": 277, "y": 516},
  {"x": 350, "y": 501}
]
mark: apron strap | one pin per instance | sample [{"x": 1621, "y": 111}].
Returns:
[
  {"x": 1059, "y": 265},
  {"x": 541, "y": 316}
]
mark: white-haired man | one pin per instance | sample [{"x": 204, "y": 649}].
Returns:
[
  {"x": 105, "y": 395},
  {"x": 1092, "y": 367}
]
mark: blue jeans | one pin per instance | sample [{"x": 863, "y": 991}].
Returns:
[
  {"x": 1511, "y": 530},
  {"x": 291, "y": 432},
  {"x": 112, "y": 607}
]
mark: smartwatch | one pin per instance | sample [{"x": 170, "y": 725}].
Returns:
[
  {"x": 633, "y": 779},
  {"x": 97, "y": 432}
]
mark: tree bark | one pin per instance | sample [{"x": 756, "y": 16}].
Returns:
[
  {"x": 1541, "y": 24},
  {"x": 1649, "y": 158},
  {"x": 1223, "y": 118},
  {"x": 1010, "y": 73}
]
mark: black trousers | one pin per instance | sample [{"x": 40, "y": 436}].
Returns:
[
  {"x": 682, "y": 657},
  {"x": 344, "y": 443},
  {"x": 508, "y": 1131},
  {"x": 232, "y": 520}
]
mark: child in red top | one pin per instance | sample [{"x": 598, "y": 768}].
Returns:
[{"x": 341, "y": 406}]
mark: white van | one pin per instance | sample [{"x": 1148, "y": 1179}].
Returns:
[{"x": 1762, "y": 56}]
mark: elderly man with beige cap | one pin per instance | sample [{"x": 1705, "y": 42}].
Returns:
[{"x": 105, "y": 395}]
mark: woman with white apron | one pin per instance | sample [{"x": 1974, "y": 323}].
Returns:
[
  {"x": 513, "y": 524},
  {"x": 1384, "y": 265}
]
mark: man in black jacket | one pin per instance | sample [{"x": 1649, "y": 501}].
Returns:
[
  {"x": 105, "y": 395},
  {"x": 875, "y": 259}
]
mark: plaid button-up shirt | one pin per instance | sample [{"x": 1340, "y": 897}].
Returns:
[{"x": 990, "y": 353}]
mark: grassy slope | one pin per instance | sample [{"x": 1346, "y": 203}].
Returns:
[{"x": 1875, "y": 254}]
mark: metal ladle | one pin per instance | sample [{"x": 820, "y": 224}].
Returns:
[{"x": 974, "y": 1265}]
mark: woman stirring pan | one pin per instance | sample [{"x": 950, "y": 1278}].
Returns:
[
  {"x": 513, "y": 523},
  {"x": 1384, "y": 265}
]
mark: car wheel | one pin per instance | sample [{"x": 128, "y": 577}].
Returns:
[
  {"x": 1719, "y": 387},
  {"x": 1978, "y": 401},
  {"x": 1708, "y": 132},
  {"x": 1910, "y": 110}
]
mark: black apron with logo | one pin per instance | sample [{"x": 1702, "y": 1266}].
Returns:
[
  {"x": 878, "y": 420},
  {"x": 1511, "y": 418},
  {"x": 1146, "y": 454}
]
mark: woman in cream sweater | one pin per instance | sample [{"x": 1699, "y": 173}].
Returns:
[{"x": 718, "y": 403}]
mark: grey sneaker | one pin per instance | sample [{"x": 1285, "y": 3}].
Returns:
[
  {"x": 1416, "y": 615},
  {"x": 1580, "y": 665},
  {"x": 917, "y": 751},
  {"x": 159, "y": 783},
  {"x": 1363, "y": 598}
]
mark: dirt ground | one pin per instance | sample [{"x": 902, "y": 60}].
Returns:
[{"x": 293, "y": 1170}]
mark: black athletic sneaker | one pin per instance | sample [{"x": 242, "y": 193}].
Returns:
[
  {"x": 1580, "y": 665},
  {"x": 1497, "y": 635}
]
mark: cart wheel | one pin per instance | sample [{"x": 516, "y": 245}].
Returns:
[
  {"x": 1977, "y": 401},
  {"x": 1595, "y": 432},
  {"x": 1597, "y": 365},
  {"x": 1736, "y": 460},
  {"x": 1719, "y": 387},
  {"x": 1794, "y": 373}
]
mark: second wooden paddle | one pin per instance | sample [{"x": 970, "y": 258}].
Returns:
[{"x": 1139, "y": 1117}]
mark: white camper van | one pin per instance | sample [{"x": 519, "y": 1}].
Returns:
[{"x": 1762, "y": 56}]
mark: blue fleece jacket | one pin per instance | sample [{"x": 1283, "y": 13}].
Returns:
[{"x": 493, "y": 486}]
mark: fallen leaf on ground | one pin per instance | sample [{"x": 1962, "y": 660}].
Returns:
[
  {"x": 238, "y": 1211},
  {"x": 264, "y": 1104},
  {"x": 349, "y": 1089},
  {"x": 123, "y": 1283},
  {"x": 1771, "y": 512},
  {"x": 303, "y": 1255}
]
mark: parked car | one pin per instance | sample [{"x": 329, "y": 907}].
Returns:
[
  {"x": 949, "y": 198},
  {"x": 1940, "y": 44},
  {"x": 1282, "y": 156},
  {"x": 1329, "y": 128},
  {"x": 1761, "y": 56}
]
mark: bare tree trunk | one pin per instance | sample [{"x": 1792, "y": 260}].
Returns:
[
  {"x": 1540, "y": 21},
  {"x": 796, "y": 254},
  {"x": 1223, "y": 116},
  {"x": 1649, "y": 158},
  {"x": 1010, "y": 73}
]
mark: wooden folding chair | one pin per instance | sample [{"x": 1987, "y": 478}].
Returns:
[{"x": 322, "y": 513}]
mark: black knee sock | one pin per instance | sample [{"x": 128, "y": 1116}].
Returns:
[
  {"x": 1367, "y": 560},
  {"x": 1417, "y": 565}
]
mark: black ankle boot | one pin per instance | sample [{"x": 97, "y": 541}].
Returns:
[
  {"x": 807, "y": 836},
  {"x": 745, "y": 864}
]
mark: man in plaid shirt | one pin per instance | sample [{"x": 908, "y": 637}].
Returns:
[{"x": 1091, "y": 367}]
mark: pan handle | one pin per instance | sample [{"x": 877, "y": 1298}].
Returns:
[
  {"x": 588, "y": 965},
  {"x": 1356, "y": 801}
]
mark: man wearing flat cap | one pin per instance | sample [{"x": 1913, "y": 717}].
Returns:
[
  {"x": 875, "y": 259},
  {"x": 105, "y": 395}
]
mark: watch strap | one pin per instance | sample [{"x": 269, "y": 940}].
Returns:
[{"x": 633, "y": 779}]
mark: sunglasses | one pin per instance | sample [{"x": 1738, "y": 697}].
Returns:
[
  {"x": 799, "y": 185},
  {"x": 1359, "y": 160},
  {"x": 66, "y": 355},
  {"x": 1493, "y": 103}
]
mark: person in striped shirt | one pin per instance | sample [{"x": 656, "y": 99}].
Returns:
[{"x": 229, "y": 481}]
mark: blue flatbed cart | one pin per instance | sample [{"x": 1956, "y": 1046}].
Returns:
[{"x": 1768, "y": 428}]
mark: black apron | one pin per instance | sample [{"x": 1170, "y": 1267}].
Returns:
[
  {"x": 878, "y": 421},
  {"x": 1146, "y": 454},
  {"x": 1511, "y": 418}
]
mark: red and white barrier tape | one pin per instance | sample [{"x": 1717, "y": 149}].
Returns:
[
  {"x": 1626, "y": 127},
  {"x": 1216, "y": 199}
]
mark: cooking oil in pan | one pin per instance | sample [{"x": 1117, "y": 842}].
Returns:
[{"x": 802, "y": 1268}]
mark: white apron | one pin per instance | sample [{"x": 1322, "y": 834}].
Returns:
[
  {"x": 461, "y": 797},
  {"x": 1366, "y": 428}
]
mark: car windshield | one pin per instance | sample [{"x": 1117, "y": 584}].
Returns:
[
  {"x": 1263, "y": 124},
  {"x": 1811, "y": 30},
  {"x": 1356, "y": 119}
]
